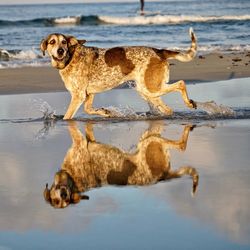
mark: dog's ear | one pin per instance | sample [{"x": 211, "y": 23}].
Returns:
[
  {"x": 43, "y": 45},
  {"x": 82, "y": 41},
  {"x": 46, "y": 193},
  {"x": 84, "y": 197},
  {"x": 76, "y": 197},
  {"x": 72, "y": 41}
]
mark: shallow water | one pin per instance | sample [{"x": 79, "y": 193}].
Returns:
[{"x": 161, "y": 215}]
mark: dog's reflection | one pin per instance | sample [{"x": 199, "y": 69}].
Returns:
[{"x": 89, "y": 164}]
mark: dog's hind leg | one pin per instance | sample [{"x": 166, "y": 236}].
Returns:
[
  {"x": 185, "y": 170},
  {"x": 157, "y": 106},
  {"x": 179, "y": 86}
]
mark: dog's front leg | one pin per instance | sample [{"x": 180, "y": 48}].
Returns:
[
  {"x": 74, "y": 105},
  {"x": 88, "y": 107}
]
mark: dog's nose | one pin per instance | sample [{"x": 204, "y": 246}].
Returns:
[
  {"x": 63, "y": 194},
  {"x": 60, "y": 51}
]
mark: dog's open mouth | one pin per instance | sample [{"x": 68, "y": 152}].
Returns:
[{"x": 58, "y": 59}]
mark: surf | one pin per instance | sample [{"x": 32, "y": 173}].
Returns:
[
  {"x": 149, "y": 18},
  {"x": 53, "y": 21},
  {"x": 169, "y": 19}
]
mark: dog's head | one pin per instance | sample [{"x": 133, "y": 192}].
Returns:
[
  {"x": 63, "y": 191},
  {"x": 59, "y": 47}
]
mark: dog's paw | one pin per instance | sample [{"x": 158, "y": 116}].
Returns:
[
  {"x": 191, "y": 127},
  {"x": 108, "y": 113},
  {"x": 193, "y": 104}
]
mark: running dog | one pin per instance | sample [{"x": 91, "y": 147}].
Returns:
[
  {"x": 90, "y": 164},
  {"x": 87, "y": 71}
]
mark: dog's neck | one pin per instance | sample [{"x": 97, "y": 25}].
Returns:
[
  {"x": 72, "y": 53},
  {"x": 76, "y": 55}
]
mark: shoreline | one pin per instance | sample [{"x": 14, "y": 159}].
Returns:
[{"x": 204, "y": 68}]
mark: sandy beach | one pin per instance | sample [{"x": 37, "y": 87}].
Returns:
[
  {"x": 137, "y": 180},
  {"x": 34, "y": 149},
  {"x": 205, "y": 68}
]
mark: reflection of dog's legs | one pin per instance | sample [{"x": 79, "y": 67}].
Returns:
[
  {"x": 89, "y": 132},
  {"x": 185, "y": 171},
  {"x": 75, "y": 103},
  {"x": 155, "y": 128},
  {"x": 92, "y": 111},
  {"x": 180, "y": 144},
  {"x": 180, "y": 86},
  {"x": 75, "y": 133}
]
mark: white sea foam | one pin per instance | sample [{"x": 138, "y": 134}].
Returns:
[
  {"x": 25, "y": 55},
  {"x": 4, "y": 53},
  {"x": 16, "y": 59},
  {"x": 33, "y": 58},
  {"x": 67, "y": 20},
  {"x": 168, "y": 19},
  {"x": 22, "y": 64},
  {"x": 220, "y": 48}
]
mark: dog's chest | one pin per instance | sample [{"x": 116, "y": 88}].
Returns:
[{"x": 74, "y": 78}]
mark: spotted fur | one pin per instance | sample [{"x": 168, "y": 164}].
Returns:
[
  {"x": 90, "y": 164},
  {"x": 90, "y": 70}
]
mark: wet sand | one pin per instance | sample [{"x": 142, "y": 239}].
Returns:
[
  {"x": 32, "y": 151},
  {"x": 211, "y": 67},
  {"x": 125, "y": 217}
]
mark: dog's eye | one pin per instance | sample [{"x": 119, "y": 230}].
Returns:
[
  {"x": 52, "y": 42},
  {"x": 64, "y": 42}
]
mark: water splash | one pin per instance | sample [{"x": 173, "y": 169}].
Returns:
[
  {"x": 48, "y": 112},
  {"x": 44, "y": 132},
  {"x": 212, "y": 108},
  {"x": 131, "y": 84},
  {"x": 124, "y": 112}
]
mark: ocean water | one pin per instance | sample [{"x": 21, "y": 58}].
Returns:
[{"x": 220, "y": 26}]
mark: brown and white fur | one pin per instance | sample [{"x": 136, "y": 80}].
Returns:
[
  {"x": 89, "y": 164},
  {"x": 87, "y": 71}
]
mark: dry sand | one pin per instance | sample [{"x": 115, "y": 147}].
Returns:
[{"x": 211, "y": 67}]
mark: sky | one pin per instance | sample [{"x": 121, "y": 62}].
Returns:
[{"x": 58, "y": 1}]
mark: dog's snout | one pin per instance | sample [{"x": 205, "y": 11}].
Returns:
[{"x": 60, "y": 51}]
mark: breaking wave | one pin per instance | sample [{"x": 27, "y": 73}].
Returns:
[
  {"x": 121, "y": 20},
  {"x": 53, "y": 21},
  {"x": 20, "y": 58},
  {"x": 169, "y": 19},
  {"x": 33, "y": 57}
]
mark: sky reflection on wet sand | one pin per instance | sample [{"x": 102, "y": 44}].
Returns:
[{"x": 157, "y": 216}]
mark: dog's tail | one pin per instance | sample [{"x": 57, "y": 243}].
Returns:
[{"x": 184, "y": 56}]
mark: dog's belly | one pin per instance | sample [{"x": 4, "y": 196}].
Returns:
[{"x": 105, "y": 80}]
